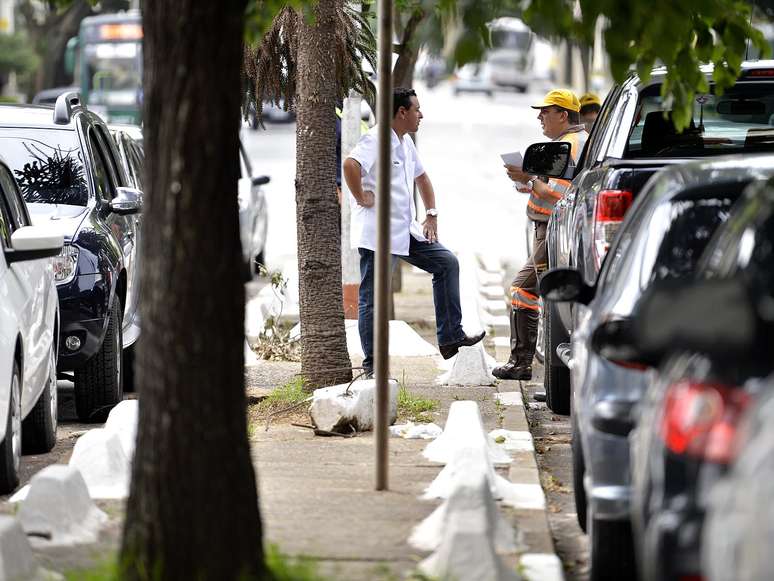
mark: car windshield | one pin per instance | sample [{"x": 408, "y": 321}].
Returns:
[
  {"x": 739, "y": 120},
  {"x": 47, "y": 165},
  {"x": 113, "y": 72}
]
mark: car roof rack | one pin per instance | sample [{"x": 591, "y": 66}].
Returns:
[{"x": 65, "y": 106}]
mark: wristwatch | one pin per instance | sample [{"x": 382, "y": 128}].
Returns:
[
  {"x": 432, "y": 212},
  {"x": 531, "y": 183}
]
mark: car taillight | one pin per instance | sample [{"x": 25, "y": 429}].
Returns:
[
  {"x": 611, "y": 208},
  {"x": 700, "y": 419}
]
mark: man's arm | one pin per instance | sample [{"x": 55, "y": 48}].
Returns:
[
  {"x": 354, "y": 181},
  {"x": 430, "y": 225}
]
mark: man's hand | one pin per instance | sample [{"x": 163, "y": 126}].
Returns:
[
  {"x": 516, "y": 174},
  {"x": 366, "y": 200},
  {"x": 430, "y": 228}
]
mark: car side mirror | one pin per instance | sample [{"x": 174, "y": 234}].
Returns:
[
  {"x": 714, "y": 316},
  {"x": 32, "y": 243},
  {"x": 127, "y": 201},
  {"x": 261, "y": 180},
  {"x": 615, "y": 341},
  {"x": 549, "y": 159},
  {"x": 565, "y": 285}
]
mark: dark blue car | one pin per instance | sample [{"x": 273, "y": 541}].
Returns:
[{"x": 69, "y": 171}]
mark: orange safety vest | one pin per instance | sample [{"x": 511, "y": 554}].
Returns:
[{"x": 539, "y": 209}]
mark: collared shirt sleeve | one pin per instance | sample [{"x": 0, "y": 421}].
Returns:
[
  {"x": 419, "y": 169},
  {"x": 365, "y": 152}
]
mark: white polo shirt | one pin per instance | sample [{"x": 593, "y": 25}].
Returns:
[{"x": 406, "y": 167}]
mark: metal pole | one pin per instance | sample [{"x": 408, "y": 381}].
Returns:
[{"x": 383, "y": 251}]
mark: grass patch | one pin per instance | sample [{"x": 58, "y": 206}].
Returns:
[
  {"x": 105, "y": 570},
  {"x": 293, "y": 392},
  {"x": 285, "y": 568},
  {"x": 414, "y": 407}
]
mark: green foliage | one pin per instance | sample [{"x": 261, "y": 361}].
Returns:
[
  {"x": 105, "y": 570},
  {"x": 642, "y": 33},
  {"x": 294, "y": 391},
  {"x": 414, "y": 407},
  {"x": 285, "y": 568},
  {"x": 17, "y": 55}
]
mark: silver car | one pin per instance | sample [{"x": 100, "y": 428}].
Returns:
[
  {"x": 662, "y": 237},
  {"x": 253, "y": 219}
]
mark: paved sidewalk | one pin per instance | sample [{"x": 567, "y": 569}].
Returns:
[{"x": 317, "y": 494}]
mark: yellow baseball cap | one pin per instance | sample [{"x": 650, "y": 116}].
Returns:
[
  {"x": 590, "y": 99},
  {"x": 560, "y": 98}
]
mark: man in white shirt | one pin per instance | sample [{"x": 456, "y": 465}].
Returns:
[{"x": 415, "y": 243}]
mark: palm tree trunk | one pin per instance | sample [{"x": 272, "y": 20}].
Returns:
[
  {"x": 325, "y": 359},
  {"x": 193, "y": 509}
]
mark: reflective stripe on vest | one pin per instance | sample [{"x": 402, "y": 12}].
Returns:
[
  {"x": 521, "y": 299},
  {"x": 538, "y": 209}
]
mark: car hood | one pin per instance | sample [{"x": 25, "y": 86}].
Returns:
[{"x": 61, "y": 218}]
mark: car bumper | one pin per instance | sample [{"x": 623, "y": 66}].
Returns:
[
  {"x": 84, "y": 305},
  {"x": 608, "y": 487}
]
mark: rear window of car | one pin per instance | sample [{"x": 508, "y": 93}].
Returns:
[
  {"x": 47, "y": 164},
  {"x": 739, "y": 120}
]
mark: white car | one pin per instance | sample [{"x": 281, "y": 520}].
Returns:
[
  {"x": 29, "y": 320},
  {"x": 253, "y": 219}
]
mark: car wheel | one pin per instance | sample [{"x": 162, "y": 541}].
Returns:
[
  {"x": 556, "y": 376},
  {"x": 578, "y": 472},
  {"x": 99, "y": 383},
  {"x": 39, "y": 428},
  {"x": 612, "y": 550},
  {"x": 10, "y": 448},
  {"x": 540, "y": 344}
]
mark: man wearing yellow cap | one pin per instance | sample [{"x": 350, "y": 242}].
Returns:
[
  {"x": 590, "y": 106},
  {"x": 559, "y": 117}
]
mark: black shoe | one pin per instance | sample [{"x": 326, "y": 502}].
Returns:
[
  {"x": 450, "y": 350},
  {"x": 539, "y": 396},
  {"x": 513, "y": 371}
]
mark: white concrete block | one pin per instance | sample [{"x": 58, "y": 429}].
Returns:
[
  {"x": 100, "y": 457},
  {"x": 524, "y": 496},
  {"x": 496, "y": 307},
  {"x": 122, "y": 421},
  {"x": 510, "y": 398},
  {"x": 491, "y": 262},
  {"x": 542, "y": 566},
  {"x": 467, "y": 460},
  {"x": 336, "y": 408},
  {"x": 255, "y": 318},
  {"x": 470, "y": 368},
  {"x": 470, "y": 496},
  {"x": 250, "y": 359},
  {"x": 58, "y": 509},
  {"x": 490, "y": 278},
  {"x": 404, "y": 341},
  {"x": 17, "y": 563},
  {"x": 512, "y": 441},
  {"x": 501, "y": 341},
  {"x": 467, "y": 549},
  {"x": 493, "y": 292},
  {"x": 464, "y": 429}
]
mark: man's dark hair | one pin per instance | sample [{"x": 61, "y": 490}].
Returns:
[
  {"x": 590, "y": 108},
  {"x": 573, "y": 117},
  {"x": 401, "y": 97}
]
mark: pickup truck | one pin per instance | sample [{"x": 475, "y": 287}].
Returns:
[{"x": 632, "y": 139}]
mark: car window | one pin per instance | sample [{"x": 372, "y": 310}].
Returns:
[
  {"x": 15, "y": 202},
  {"x": 101, "y": 177},
  {"x": 6, "y": 224},
  {"x": 47, "y": 164},
  {"x": 245, "y": 167},
  {"x": 739, "y": 120},
  {"x": 598, "y": 137},
  {"x": 115, "y": 172},
  {"x": 136, "y": 161}
]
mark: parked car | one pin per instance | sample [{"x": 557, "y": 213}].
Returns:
[
  {"x": 661, "y": 239},
  {"x": 473, "y": 78},
  {"x": 511, "y": 59},
  {"x": 70, "y": 174},
  {"x": 632, "y": 139},
  {"x": 739, "y": 527},
  {"x": 253, "y": 217},
  {"x": 29, "y": 321},
  {"x": 713, "y": 335},
  {"x": 49, "y": 96}
]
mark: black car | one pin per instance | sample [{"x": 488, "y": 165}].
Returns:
[
  {"x": 69, "y": 171},
  {"x": 713, "y": 336}
]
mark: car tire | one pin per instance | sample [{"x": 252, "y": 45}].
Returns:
[
  {"x": 99, "y": 383},
  {"x": 10, "y": 448},
  {"x": 556, "y": 376},
  {"x": 611, "y": 551},
  {"x": 39, "y": 427},
  {"x": 578, "y": 472},
  {"x": 540, "y": 344}
]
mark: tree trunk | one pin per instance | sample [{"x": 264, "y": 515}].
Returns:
[
  {"x": 407, "y": 51},
  {"x": 325, "y": 359},
  {"x": 193, "y": 508}
]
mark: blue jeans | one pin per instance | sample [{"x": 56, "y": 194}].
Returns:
[{"x": 431, "y": 257}]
